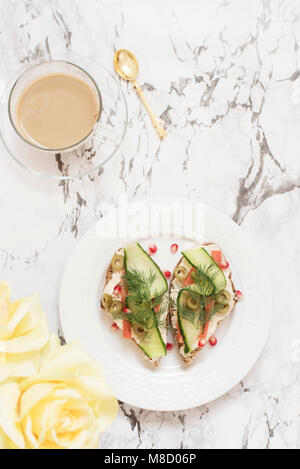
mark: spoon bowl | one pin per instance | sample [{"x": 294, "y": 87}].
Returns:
[{"x": 126, "y": 65}]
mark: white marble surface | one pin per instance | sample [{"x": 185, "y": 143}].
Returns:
[{"x": 225, "y": 76}]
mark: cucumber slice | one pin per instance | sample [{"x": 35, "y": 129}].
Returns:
[
  {"x": 204, "y": 285},
  {"x": 137, "y": 259},
  {"x": 150, "y": 341},
  {"x": 204, "y": 263},
  {"x": 153, "y": 345},
  {"x": 189, "y": 331}
]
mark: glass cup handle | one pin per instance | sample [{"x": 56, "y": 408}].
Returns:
[{"x": 102, "y": 135}]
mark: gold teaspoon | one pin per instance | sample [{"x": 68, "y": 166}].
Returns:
[{"x": 126, "y": 65}]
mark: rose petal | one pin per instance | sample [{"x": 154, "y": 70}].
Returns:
[
  {"x": 19, "y": 311},
  {"x": 62, "y": 442},
  {"x": 5, "y": 332},
  {"x": 80, "y": 440},
  {"x": 23, "y": 332},
  {"x": 67, "y": 393},
  {"x": 44, "y": 415},
  {"x": 4, "y": 303},
  {"x": 33, "y": 341},
  {"x": 3, "y": 441},
  {"x": 71, "y": 359},
  {"x": 33, "y": 395},
  {"x": 94, "y": 387},
  {"x": 20, "y": 369},
  {"x": 9, "y": 395},
  {"x": 26, "y": 314},
  {"x": 31, "y": 440},
  {"x": 97, "y": 389},
  {"x": 51, "y": 348},
  {"x": 81, "y": 415}
]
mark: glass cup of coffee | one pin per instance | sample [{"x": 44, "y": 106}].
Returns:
[{"x": 55, "y": 106}]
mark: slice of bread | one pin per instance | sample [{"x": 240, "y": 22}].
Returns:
[
  {"x": 176, "y": 286},
  {"x": 113, "y": 279}
]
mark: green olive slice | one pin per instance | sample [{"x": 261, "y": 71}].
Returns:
[
  {"x": 117, "y": 263},
  {"x": 184, "y": 297},
  {"x": 181, "y": 273},
  {"x": 116, "y": 307},
  {"x": 224, "y": 310},
  {"x": 224, "y": 298},
  {"x": 192, "y": 303},
  {"x": 106, "y": 301},
  {"x": 139, "y": 331}
]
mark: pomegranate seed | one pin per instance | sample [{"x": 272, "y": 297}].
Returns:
[
  {"x": 202, "y": 343},
  {"x": 167, "y": 274},
  {"x": 169, "y": 346},
  {"x": 213, "y": 341},
  {"x": 174, "y": 248},
  {"x": 224, "y": 266},
  {"x": 125, "y": 310},
  {"x": 153, "y": 248},
  {"x": 117, "y": 290},
  {"x": 114, "y": 327},
  {"x": 239, "y": 294}
]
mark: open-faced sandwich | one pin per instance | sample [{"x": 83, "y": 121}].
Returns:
[
  {"x": 135, "y": 296},
  {"x": 202, "y": 295}
]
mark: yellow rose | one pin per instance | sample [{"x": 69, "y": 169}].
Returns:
[
  {"x": 23, "y": 334},
  {"x": 66, "y": 405}
]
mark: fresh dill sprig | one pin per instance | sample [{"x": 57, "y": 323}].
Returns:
[
  {"x": 147, "y": 309},
  {"x": 140, "y": 315},
  {"x": 207, "y": 306},
  {"x": 161, "y": 312},
  {"x": 204, "y": 280},
  {"x": 202, "y": 314},
  {"x": 139, "y": 284}
]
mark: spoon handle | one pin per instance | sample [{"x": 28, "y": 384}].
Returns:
[{"x": 156, "y": 121}]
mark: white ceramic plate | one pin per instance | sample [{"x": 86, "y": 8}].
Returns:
[{"x": 173, "y": 385}]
